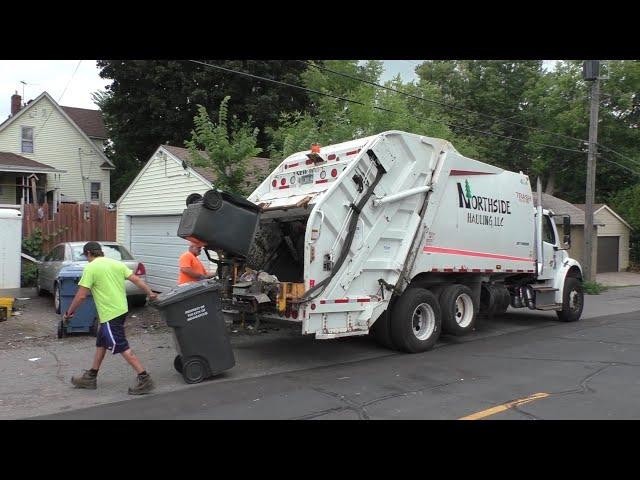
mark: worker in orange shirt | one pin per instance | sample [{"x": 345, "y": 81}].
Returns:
[{"x": 191, "y": 268}]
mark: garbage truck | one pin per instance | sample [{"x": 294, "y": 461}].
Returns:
[{"x": 396, "y": 235}]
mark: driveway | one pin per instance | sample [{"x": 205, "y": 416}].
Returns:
[{"x": 618, "y": 279}]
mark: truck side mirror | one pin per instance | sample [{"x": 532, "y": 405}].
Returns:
[{"x": 566, "y": 227}]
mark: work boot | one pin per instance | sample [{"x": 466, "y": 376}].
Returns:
[
  {"x": 86, "y": 380},
  {"x": 143, "y": 385}
]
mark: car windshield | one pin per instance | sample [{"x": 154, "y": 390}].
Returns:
[{"x": 117, "y": 252}]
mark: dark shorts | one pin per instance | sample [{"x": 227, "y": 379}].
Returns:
[{"x": 111, "y": 335}]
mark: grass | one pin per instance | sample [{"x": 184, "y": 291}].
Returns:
[{"x": 593, "y": 288}]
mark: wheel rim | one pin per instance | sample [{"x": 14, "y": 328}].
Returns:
[
  {"x": 56, "y": 298},
  {"x": 574, "y": 300},
  {"x": 194, "y": 370},
  {"x": 464, "y": 310},
  {"x": 423, "y": 321}
]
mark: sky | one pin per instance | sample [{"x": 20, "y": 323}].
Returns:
[{"x": 54, "y": 76}]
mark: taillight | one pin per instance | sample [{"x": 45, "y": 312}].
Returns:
[
  {"x": 274, "y": 183},
  {"x": 294, "y": 314},
  {"x": 141, "y": 270},
  {"x": 283, "y": 181},
  {"x": 334, "y": 172}
]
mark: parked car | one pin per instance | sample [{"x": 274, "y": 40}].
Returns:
[{"x": 70, "y": 253}]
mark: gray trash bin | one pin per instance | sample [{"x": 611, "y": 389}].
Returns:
[{"x": 194, "y": 312}]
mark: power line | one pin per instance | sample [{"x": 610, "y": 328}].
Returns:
[
  {"x": 59, "y": 99},
  {"x": 619, "y": 154},
  {"x": 557, "y": 147},
  {"x": 447, "y": 105},
  {"x": 620, "y": 165}
]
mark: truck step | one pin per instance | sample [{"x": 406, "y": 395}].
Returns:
[
  {"x": 542, "y": 288},
  {"x": 551, "y": 306}
]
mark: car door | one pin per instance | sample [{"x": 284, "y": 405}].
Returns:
[
  {"x": 46, "y": 282},
  {"x": 57, "y": 262}
]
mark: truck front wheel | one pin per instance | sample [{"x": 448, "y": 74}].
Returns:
[
  {"x": 572, "y": 300},
  {"x": 416, "y": 322}
]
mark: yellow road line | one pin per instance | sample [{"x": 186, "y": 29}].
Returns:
[{"x": 505, "y": 406}]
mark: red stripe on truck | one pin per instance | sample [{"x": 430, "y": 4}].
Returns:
[{"x": 469, "y": 253}]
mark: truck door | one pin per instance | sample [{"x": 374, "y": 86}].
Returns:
[{"x": 549, "y": 242}]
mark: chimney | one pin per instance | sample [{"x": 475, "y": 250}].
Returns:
[{"x": 16, "y": 102}]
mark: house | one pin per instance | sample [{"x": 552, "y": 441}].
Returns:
[
  {"x": 560, "y": 207},
  {"x": 53, "y": 153},
  {"x": 149, "y": 211},
  {"x": 613, "y": 239}
]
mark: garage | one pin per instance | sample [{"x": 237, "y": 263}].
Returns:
[
  {"x": 154, "y": 242},
  {"x": 608, "y": 254},
  {"x": 150, "y": 209}
]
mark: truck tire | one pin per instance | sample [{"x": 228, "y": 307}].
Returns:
[
  {"x": 381, "y": 330},
  {"x": 415, "y": 321},
  {"x": 458, "y": 311},
  {"x": 572, "y": 300}
]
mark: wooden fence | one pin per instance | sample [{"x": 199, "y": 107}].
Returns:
[{"x": 70, "y": 224}]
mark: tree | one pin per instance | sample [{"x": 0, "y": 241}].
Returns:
[
  {"x": 153, "y": 102},
  {"x": 227, "y": 149},
  {"x": 336, "y": 120}
]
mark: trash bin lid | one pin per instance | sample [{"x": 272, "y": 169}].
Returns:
[
  {"x": 72, "y": 271},
  {"x": 182, "y": 292}
]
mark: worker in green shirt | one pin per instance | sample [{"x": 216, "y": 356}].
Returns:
[{"x": 104, "y": 278}]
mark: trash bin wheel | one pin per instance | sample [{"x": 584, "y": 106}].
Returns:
[
  {"x": 177, "y": 363},
  {"x": 194, "y": 370},
  {"x": 212, "y": 200},
  {"x": 61, "y": 329},
  {"x": 193, "y": 198}
]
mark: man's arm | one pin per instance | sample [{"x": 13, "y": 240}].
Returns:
[
  {"x": 136, "y": 280},
  {"x": 192, "y": 273},
  {"x": 81, "y": 294}
]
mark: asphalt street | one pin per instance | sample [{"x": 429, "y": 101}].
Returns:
[{"x": 522, "y": 366}]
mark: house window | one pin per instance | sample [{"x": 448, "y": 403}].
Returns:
[
  {"x": 27, "y": 139},
  {"x": 95, "y": 191}
]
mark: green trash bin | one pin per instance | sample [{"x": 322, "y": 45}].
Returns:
[{"x": 194, "y": 312}]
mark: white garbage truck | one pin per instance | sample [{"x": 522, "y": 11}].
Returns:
[{"x": 400, "y": 236}]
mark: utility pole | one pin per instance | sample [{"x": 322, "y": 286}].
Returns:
[{"x": 590, "y": 72}]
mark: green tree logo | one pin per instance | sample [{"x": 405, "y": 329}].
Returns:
[{"x": 467, "y": 189}]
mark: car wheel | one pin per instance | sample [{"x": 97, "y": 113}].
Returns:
[
  {"x": 137, "y": 300},
  {"x": 56, "y": 297}
]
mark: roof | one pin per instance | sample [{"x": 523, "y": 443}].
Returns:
[
  {"x": 258, "y": 171},
  {"x": 561, "y": 207},
  {"x": 89, "y": 121},
  {"x": 17, "y": 163},
  {"x": 599, "y": 206}
]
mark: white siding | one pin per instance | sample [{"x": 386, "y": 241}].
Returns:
[
  {"x": 614, "y": 227},
  {"x": 162, "y": 189},
  {"x": 56, "y": 143}
]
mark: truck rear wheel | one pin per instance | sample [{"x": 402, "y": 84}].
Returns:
[
  {"x": 416, "y": 321},
  {"x": 381, "y": 330},
  {"x": 572, "y": 300},
  {"x": 458, "y": 311}
]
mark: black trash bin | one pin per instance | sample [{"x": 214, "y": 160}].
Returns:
[
  {"x": 221, "y": 221},
  {"x": 195, "y": 313}
]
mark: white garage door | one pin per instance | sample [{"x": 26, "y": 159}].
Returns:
[{"x": 154, "y": 242}]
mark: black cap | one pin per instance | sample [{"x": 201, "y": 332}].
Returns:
[{"x": 91, "y": 247}]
